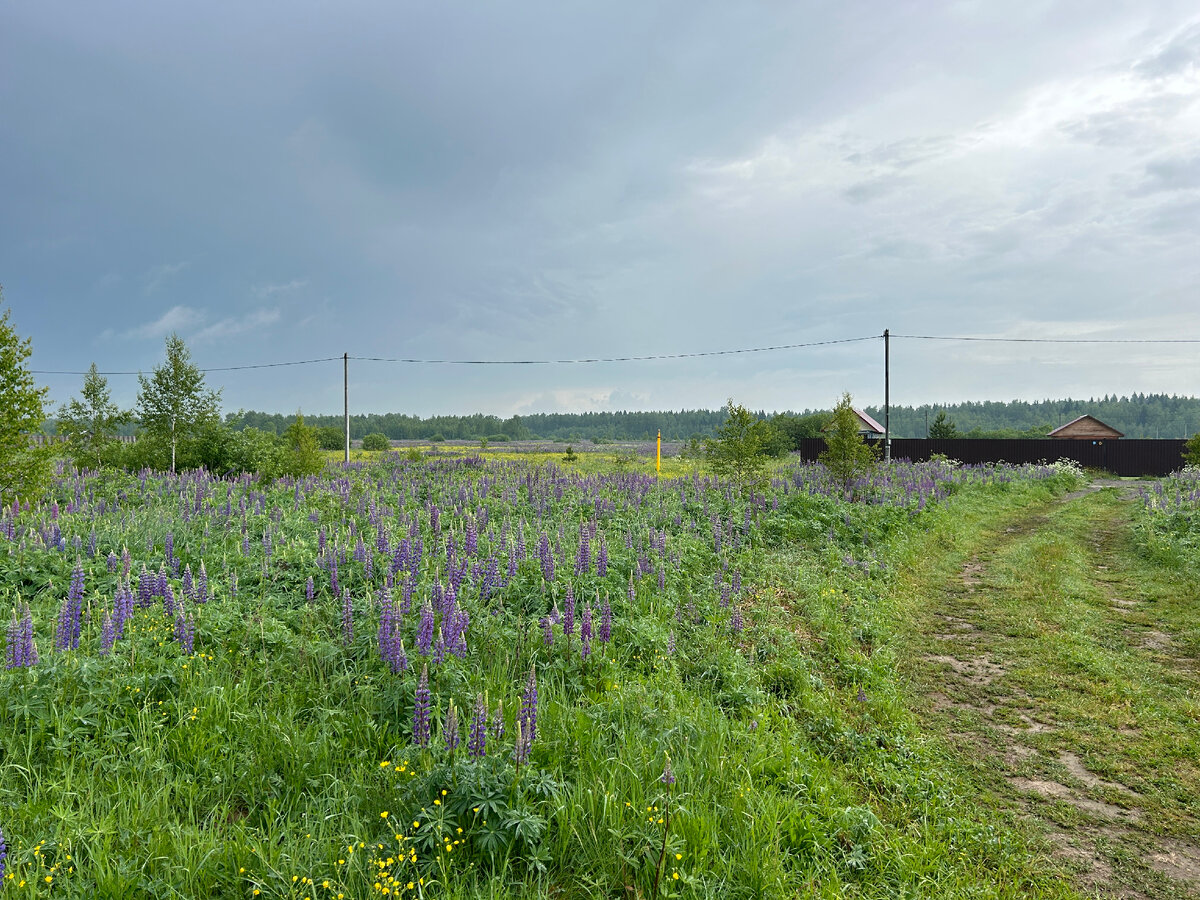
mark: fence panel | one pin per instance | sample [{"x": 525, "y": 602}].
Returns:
[{"x": 1125, "y": 457}]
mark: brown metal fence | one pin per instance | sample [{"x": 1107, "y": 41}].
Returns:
[{"x": 1123, "y": 457}]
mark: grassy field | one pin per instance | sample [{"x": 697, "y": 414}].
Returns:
[{"x": 753, "y": 716}]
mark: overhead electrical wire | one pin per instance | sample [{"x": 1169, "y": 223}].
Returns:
[{"x": 651, "y": 357}]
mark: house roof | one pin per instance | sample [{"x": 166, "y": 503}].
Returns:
[
  {"x": 871, "y": 424},
  {"x": 1088, "y": 420}
]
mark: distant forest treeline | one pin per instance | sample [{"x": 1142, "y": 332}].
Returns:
[{"x": 1138, "y": 416}]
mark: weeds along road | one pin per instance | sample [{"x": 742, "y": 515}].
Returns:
[{"x": 1061, "y": 669}]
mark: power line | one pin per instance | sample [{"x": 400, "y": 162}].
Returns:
[
  {"x": 1004, "y": 340},
  {"x": 609, "y": 359},
  {"x": 296, "y": 362},
  {"x": 651, "y": 357}
]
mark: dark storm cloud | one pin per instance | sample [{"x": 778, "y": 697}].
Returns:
[{"x": 548, "y": 180}]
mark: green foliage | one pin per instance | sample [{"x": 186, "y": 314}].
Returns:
[
  {"x": 376, "y": 441},
  {"x": 794, "y": 429},
  {"x": 174, "y": 407},
  {"x": 259, "y": 761},
  {"x": 943, "y": 428},
  {"x": 25, "y": 467},
  {"x": 741, "y": 449},
  {"x": 303, "y": 456},
  {"x": 570, "y": 456},
  {"x": 330, "y": 437},
  {"x": 1191, "y": 450},
  {"x": 847, "y": 456},
  {"x": 90, "y": 422}
]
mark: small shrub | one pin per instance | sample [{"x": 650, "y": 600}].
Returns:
[{"x": 376, "y": 441}]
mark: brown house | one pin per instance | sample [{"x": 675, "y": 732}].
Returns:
[
  {"x": 1085, "y": 428},
  {"x": 867, "y": 427}
]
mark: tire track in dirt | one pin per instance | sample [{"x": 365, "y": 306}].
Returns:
[{"x": 971, "y": 667}]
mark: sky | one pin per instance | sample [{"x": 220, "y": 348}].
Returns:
[{"x": 546, "y": 180}]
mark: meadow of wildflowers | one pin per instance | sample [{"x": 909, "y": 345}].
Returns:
[{"x": 462, "y": 676}]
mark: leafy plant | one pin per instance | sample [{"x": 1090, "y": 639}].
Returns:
[
  {"x": 90, "y": 422},
  {"x": 742, "y": 447},
  {"x": 376, "y": 441},
  {"x": 24, "y": 466},
  {"x": 173, "y": 403},
  {"x": 847, "y": 456}
]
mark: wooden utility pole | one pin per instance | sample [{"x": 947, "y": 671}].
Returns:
[
  {"x": 346, "y": 399},
  {"x": 887, "y": 388}
]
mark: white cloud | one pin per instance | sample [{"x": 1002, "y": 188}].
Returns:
[
  {"x": 234, "y": 325},
  {"x": 270, "y": 290},
  {"x": 175, "y": 319}
]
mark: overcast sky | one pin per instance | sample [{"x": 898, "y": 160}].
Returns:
[{"x": 554, "y": 180}]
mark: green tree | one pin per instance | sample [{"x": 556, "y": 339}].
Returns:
[
  {"x": 847, "y": 456},
  {"x": 330, "y": 437},
  {"x": 741, "y": 448},
  {"x": 173, "y": 404},
  {"x": 376, "y": 441},
  {"x": 1191, "y": 450},
  {"x": 303, "y": 452},
  {"x": 90, "y": 422},
  {"x": 943, "y": 428},
  {"x": 25, "y": 467}
]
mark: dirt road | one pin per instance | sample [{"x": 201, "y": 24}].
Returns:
[{"x": 1061, "y": 667}]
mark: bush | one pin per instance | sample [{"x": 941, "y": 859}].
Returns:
[
  {"x": 331, "y": 438},
  {"x": 376, "y": 441},
  {"x": 1191, "y": 450},
  {"x": 847, "y": 456}
]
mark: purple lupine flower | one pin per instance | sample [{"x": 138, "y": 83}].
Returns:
[
  {"x": 585, "y": 632},
  {"x": 497, "y": 726},
  {"x": 547, "y": 630},
  {"x": 20, "y": 650},
  {"x": 189, "y": 583},
  {"x": 583, "y": 559},
  {"x": 126, "y": 562},
  {"x": 309, "y": 590},
  {"x": 333, "y": 575},
  {"x": 145, "y": 587},
  {"x": 671, "y": 641},
  {"x": 111, "y": 561},
  {"x": 233, "y": 585},
  {"x": 202, "y": 585},
  {"x": 471, "y": 538},
  {"x": 667, "y": 777},
  {"x": 602, "y": 559},
  {"x": 70, "y": 616},
  {"x": 122, "y": 609},
  {"x": 546, "y": 557},
  {"x": 735, "y": 622},
  {"x": 108, "y": 634},
  {"x": 425, "y": 630},
  {"x": 170, "y": 606},
  {"x": 3, "y": 855},
  {"x": 605, "y": 621},
  {"x": 347, "y": 618},
  {"x": 632, "y": 589},
  {"x": 527, "y": 715},
  {"x": 421, "y": 706},
  {"x": 91, "y": 550},
  {"x": 439, "y": 649},
  {"x": 185, "y": 631},
  {"x": 569, "y": 614},
  {"x": 477, "y": 741},
  {"x": 161, "y": 584}
]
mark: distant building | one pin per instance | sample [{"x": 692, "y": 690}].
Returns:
[
  {"x": 867, "y": 427},
  {"x": 1085, "y": 428}
]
